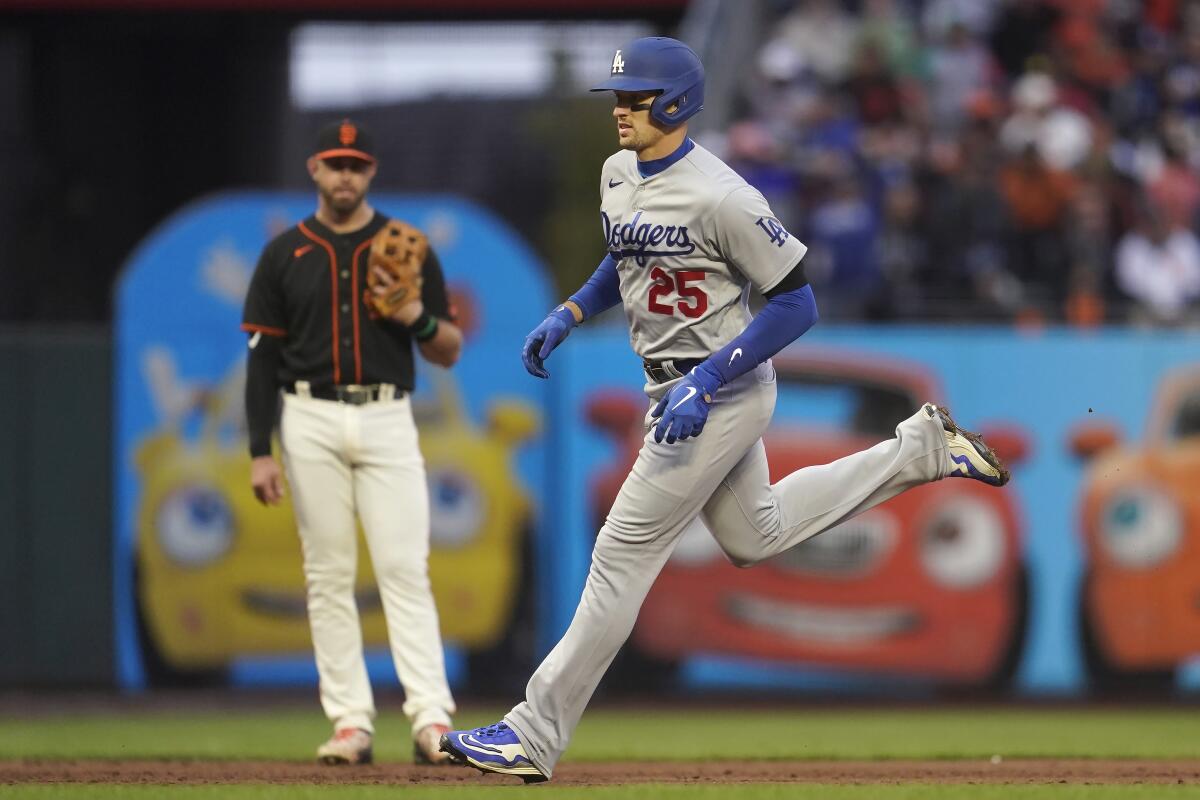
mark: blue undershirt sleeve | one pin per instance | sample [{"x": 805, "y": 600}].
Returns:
[
  {"x": 602, "y": 291},
  {"x": 784, "y": 318}
]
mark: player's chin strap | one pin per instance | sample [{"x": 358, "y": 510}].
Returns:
[{"x": 784, "y": 318}]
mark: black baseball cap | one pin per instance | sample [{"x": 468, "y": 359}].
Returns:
[{"x": 345, "y": 139}]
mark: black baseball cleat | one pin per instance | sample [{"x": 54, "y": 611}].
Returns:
[{"x": 971, "y": 456}]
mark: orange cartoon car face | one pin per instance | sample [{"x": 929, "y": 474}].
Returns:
[
  {"x": 929, "y": 584},
  {"x": 1140, "y": 523}
]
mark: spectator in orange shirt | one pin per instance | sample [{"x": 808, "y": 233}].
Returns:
[
  {"x": 1037, "y": 194},
  {"x": 1038, "y": 198}
]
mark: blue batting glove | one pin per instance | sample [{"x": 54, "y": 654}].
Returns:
[
  {"x": 544, "y": 338},
  {"x": 683, "y": 411}
]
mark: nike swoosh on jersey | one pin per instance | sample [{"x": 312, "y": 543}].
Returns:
[
  {"x": 691, "y": 392},
  {"x": 614, "y": 184},
  {"x": 737, "y": 352},
  {"x": 255, "y": 339}
]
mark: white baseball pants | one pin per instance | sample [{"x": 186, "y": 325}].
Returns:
[
  {"x": 343, "y": 458},
  {"x": 722, "y": 476}
]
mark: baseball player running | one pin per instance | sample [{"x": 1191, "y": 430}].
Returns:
[{"x": 687, "y": 239}]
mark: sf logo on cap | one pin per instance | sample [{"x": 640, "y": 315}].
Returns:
[
  {"x": 618, "y": 63},
  {"x": 347, "y": 133}
]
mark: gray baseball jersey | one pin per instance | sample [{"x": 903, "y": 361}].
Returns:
[{"x": 691, "y": 240}]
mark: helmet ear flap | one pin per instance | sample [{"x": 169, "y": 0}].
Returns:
[{"x": 685, "y": 102}]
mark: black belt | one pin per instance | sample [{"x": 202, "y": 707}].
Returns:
[
  {"x": 669, "y": 369},
  {"x": 355, "y": 395}
]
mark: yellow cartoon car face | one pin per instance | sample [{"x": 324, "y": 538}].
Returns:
[
  {"x": 220, "y": 575},
  {"x": 479, "y": 516}
]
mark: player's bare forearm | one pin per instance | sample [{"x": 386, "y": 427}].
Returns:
[{"x": 445, "y": 347}]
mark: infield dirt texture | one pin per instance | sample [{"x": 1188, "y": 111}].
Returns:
[{"x": 247, "y": 746}]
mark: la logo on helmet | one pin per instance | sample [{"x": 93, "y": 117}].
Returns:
[{"x": 618, "y": 63}]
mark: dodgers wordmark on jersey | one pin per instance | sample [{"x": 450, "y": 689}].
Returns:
[{"x": 690, "y": 241}]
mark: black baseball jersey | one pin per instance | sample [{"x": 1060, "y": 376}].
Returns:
[{"x": 308, "y": 290}]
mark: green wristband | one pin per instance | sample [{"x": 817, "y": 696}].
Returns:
[{"x": 425, "y": 327}]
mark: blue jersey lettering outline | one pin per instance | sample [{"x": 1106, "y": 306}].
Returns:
[{"x": 635, "y": 239}]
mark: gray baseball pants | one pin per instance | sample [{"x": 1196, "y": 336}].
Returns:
[{"x": 722, "y": 476}]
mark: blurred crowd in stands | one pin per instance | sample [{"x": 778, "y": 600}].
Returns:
[{"x": 1005, "y": 160}]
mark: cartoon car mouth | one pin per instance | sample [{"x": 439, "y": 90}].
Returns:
[
  {"x": 822, "y": 625},
  {"x": 294, "y": 606}
]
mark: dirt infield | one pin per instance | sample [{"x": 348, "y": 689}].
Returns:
[{"x": 839, "y": 772}]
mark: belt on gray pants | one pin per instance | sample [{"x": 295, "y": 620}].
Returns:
[
  {"x": 351, "y": 393},
  {"x": 669, "y": 369}
]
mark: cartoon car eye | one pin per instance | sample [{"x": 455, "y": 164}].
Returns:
[
  {"x": 696, "y": 546},
  {"x": 849, "y": 549},
  {"x": 962, "y": 544},
  {"x": 1140, "y": 526},
  {"x": 455, "y": 508},
  {"x": 195, "y": 525}
]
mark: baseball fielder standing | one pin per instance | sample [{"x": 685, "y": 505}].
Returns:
[
  {"x": 687, "y": 239},
  {"x": 334, "y": 309}
]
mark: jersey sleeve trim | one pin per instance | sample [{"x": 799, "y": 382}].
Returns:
[
  {"x": 795, "y": 272},
  {"x": 250, "y": 327}
]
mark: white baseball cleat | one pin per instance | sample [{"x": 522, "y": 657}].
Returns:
[
  {"x": 427, "y": 744},
  {"x": 347, "y": 746},
  {"x": 970, "y": 455}
]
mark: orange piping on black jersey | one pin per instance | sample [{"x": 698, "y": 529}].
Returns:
[
  {"x": 250, "y": 327},
  {"x": 333, "y": 271},
  {"x": 299, "y": 251},
  {"x": 355, "y": 302}
]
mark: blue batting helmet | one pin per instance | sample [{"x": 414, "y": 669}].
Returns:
[{"x": 659, "y": 64}]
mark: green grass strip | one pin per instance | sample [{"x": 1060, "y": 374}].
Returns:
[{"x": 657, "y": 734}]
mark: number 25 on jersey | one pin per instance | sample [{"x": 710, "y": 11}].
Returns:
[{"x": 692, "y": 301}]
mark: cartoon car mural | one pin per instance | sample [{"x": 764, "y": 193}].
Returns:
[
  {"x": 929, "y": 585},
  {"x": 1139, "y": 518},
  {"x": 219, "y": 575}
]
